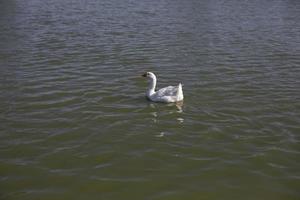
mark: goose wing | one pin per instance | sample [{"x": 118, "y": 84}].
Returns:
[{"x": 167, "y": 91}]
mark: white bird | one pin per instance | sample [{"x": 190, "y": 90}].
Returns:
[{"x": 167, "y": 95}]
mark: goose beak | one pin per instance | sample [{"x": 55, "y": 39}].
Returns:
[{"x": 144, "y": 75}]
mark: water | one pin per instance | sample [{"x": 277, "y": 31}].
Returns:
[{"x": 75, "y": 123}]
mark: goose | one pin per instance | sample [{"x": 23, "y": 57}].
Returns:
[{"x": 166, "y": 95}]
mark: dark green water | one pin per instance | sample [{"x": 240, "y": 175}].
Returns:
[{"x": 74, "y": 122}]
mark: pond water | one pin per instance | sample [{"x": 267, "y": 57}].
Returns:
[{"x": 75, "y": 123}]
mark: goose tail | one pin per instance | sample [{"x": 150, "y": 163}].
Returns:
[{"x": 179, "y": 94}]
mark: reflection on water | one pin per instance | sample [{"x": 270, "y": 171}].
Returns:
[
  {"x": 74, "y": 122},
  {"x": 173, "y": 108}
]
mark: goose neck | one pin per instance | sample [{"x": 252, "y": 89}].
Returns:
[{"x": 152, "y": 85}]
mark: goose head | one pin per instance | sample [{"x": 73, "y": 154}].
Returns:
[{"x": 149, "y": 75}]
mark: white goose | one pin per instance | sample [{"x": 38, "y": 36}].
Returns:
[{"x": 167, "y": 95}]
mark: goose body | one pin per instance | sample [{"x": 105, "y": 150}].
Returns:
[{"x": 167, "y": 94}]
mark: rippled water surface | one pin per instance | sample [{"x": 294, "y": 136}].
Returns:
[{"x": 75, "y": 124}]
